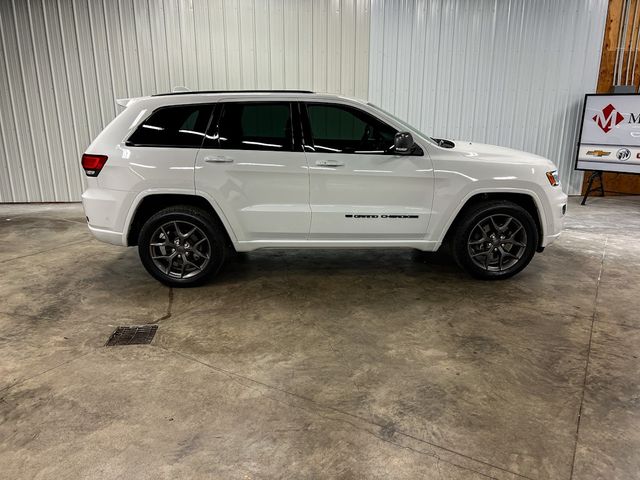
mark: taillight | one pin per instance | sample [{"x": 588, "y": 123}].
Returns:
[{"x": 92, "y": 164}]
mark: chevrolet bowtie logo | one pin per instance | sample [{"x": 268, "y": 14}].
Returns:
[{"x": 598, "y": 153}]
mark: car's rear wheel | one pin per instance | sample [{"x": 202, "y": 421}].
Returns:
[
  {"x": 181, "y": 246},
  {"x": 495, "y": 240}
]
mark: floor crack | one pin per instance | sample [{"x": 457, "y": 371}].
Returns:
[
  {"x": 167, "y": 315},
  {"x": 586, "y": 366},
  {"x": 45, "y": 251},
  {"x": 19, "y": 382}
]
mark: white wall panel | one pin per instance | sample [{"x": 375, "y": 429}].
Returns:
[
  {"x": 64, "y": 62},
  {"x": 506, "y": 72}
]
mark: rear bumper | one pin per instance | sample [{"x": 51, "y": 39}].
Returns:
[
  {"x": 108, "y": 236},
  {"x": 104, "y": 210}
]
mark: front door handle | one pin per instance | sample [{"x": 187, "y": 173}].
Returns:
[
  {"x": 218, "y": 159},
  {"x": 329, "y": 163}
]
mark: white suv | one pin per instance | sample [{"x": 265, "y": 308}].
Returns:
[{"x": 189, "y": 177}]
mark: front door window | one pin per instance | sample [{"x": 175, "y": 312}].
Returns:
[{"x": 345, "y": 129}]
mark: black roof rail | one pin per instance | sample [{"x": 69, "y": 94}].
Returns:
[{"x": 230, "y": 91}]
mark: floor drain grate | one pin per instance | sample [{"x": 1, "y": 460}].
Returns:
[{"x": 134, "y": 335}]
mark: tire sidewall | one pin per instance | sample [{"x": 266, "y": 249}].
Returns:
[
  {"x": 460, "y": 244},
  {"x": 216, "y": 240}
]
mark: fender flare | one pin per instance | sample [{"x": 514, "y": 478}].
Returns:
[
  {"x": 176, "y": 191},
  {"x": 478, "y": 191},
  {"x": 223, "y": 218}
]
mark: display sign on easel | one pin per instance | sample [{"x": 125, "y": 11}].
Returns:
[{"x": 609, "y": 136}]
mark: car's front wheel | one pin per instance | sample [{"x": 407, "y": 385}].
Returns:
[
  {"x": 495, "y": 240},
  {"x": 181, "y": 246}
]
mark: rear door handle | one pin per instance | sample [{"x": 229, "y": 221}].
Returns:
[
  {"x": 218, "y": 159},
  {"x": 329, "y": 163}
]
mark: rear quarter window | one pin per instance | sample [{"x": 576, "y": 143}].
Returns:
[{"x": 181, "y": 126}]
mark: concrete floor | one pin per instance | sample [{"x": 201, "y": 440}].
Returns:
[{"x": 320, "y": 364}]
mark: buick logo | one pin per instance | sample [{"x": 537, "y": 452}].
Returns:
[
  {"x": 623, "y": 154},
  {"x": 608, "y": 118}
]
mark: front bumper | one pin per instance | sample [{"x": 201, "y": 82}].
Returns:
[{"x": 555, "y": 216}]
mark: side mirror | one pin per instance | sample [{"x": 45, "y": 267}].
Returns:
[{"x": 403, "y": 143}]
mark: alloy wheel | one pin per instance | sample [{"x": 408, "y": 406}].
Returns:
[
  {"x": 497, "y": 242},
  {"x": 180, "y": 249}
]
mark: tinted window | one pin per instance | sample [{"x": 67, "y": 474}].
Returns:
[
  {"x": 344, "y": 129},
  {"x": 254, "y": 126},
  {"x": 179, "y": 126}
]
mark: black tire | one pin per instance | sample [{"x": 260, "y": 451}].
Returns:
[
  {"x": 166, "y": 230},
  {"x": 478, "y": 250}
]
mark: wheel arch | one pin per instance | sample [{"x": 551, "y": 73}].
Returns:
[
  {"x": 151, "y": 203},
  {"x": 526, "y": 199}
]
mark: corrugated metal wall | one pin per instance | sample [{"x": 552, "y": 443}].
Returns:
[
  {"x": 509, "y": 72},
  {"x": 506, "y": 72},
  {"x": 63, "y": 63}
]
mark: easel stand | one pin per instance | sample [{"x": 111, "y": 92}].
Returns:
[{"x": 590, "y": 188}]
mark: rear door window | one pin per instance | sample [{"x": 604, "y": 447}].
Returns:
[
  {"x": 182, "y": 126},
  {"x": 254, "y": 126}
]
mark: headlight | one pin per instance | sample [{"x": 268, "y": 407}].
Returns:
[{"x": 553, "y": 178}]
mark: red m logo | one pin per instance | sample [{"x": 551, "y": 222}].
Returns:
[{"x": 608, "y": 118}]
